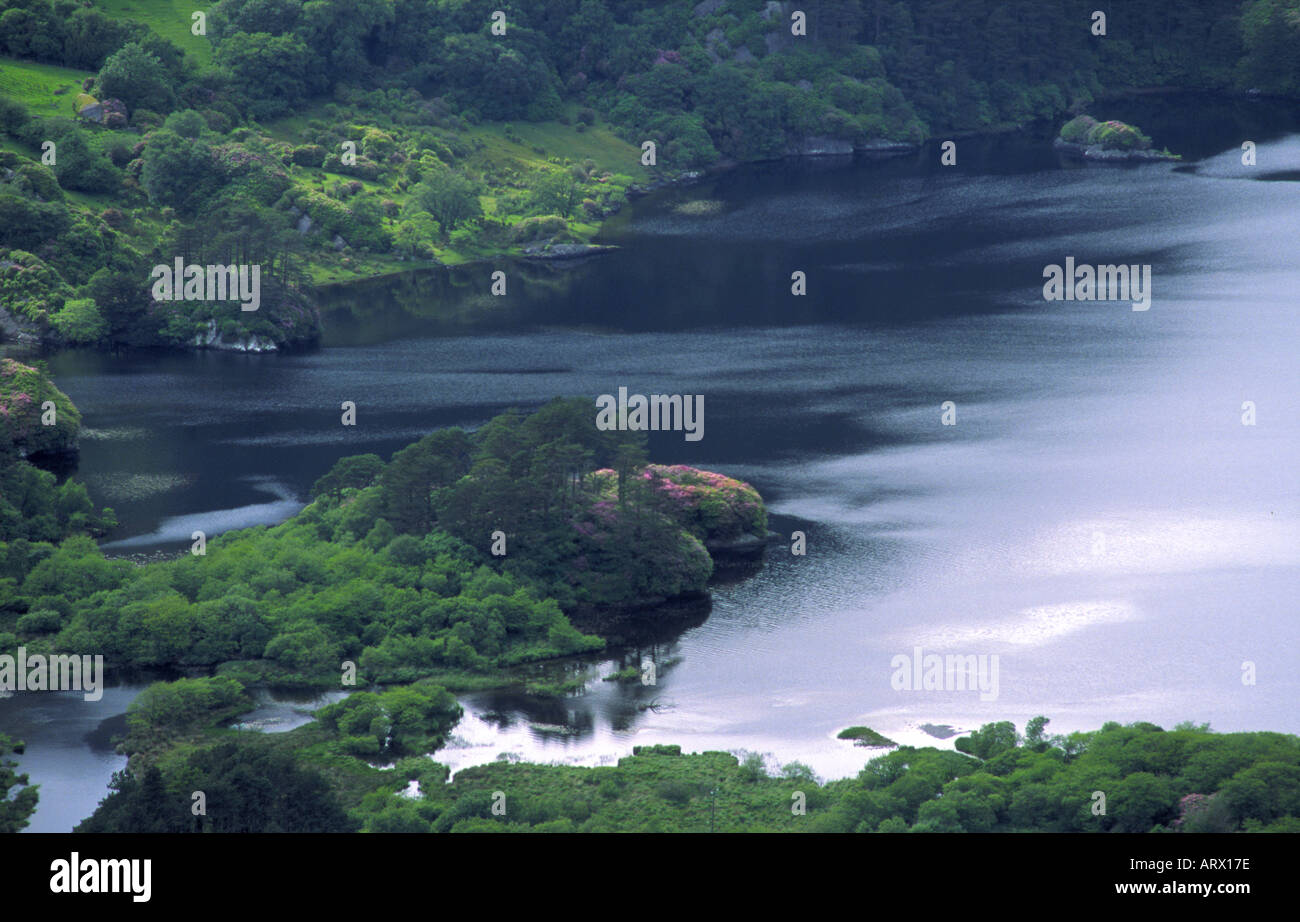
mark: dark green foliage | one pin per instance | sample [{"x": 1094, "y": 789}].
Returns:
[
  {"x": 409, "y": 483},
  {"x": 272, "y": 71},
  {"x": 27, "y": 224},
  {"x": 35, "y": 507},
  {"x": 15, "y": 806},
  {"x": 388, "y": 568},
  {"x": 138, "y": 78},
  {"x": 352, "y": 472},
  {"x": 46, "y": 31},
  {"x": 180, "y": 172},
  {"x": 864, "y": 736},
  {"x": 1270, "y": 34},
  {"x": 81, "y": 168},
  {"x": 989, "y": 741},
  {"x": 248, "y": 788}
]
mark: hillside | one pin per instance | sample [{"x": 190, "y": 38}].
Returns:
[{"x": 333, "y": 141}]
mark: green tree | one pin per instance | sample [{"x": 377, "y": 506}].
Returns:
[
  {"x": 352, "y": 472},
  {"x": 80, "y": 322},
  {"x": 138, "y": 78},
  {"x": 180, "y": 172},
  {"x": 989, "y": 740},
  {"x": 408, "y": 483},
  {"x": 449, "y": 198},
  {"x": 557, "y": 193},
  {"x": 80, "y": 168},
  {"x": 272, "y": 71},
  {"x": 1140, "y": 801},
  {"x": 187, "y": 123}
]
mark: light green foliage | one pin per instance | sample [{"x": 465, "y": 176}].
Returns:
[
  {"x": 29, "y": 287},
  {"x": 449, "y": 198},
  {"x": 408, "y": 720},
  {"x": 1117, "y": 136},
  {"x": 166, "y": 709},
  {"x": 1112, "y": 135},
  {"x": 80, "y": 321},
  {"x": 1076, "y": 130}
]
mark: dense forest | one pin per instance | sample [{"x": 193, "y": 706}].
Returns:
[
  {"x": 339, "y": 139},
  {"x": 462, "y": 553},
  {"x": 459, "y": 559}
]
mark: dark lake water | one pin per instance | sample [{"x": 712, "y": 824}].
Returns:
[{"x": 1099, "y": 518}]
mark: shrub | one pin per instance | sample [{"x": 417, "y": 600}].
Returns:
[
  {"x": 539, "y": 228},
  {"x": 1118, "y": 136},
  {"x": 41, "y": 179},
  {"x": 364, "y": 168},
  {"x": 217, "y": 120},
  {"x": 13, "y": 115},
  {"x": 311, "y": 155},
  {"x": 41, "y": 621},
  {"x": 1076, "y": 129},
  {"x": 752, "y": 768},
  {"x": 30, "y": 287},
  {"x": 136, "y": 77},
  {"x": 675, "y": 792},
  {"x": 186, "y": 123},
  {"x": 864, "y": 736},
  {"x": 80, "y": 322},
  {"x": 145, "y": 119}
]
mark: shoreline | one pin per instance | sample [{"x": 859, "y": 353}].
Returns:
[{"x": 571, "y": 253}]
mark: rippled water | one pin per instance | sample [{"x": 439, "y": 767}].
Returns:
[{"x": 1098, "y": 518}]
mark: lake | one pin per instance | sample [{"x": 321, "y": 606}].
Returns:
[{"x": 1099, "y": 518}]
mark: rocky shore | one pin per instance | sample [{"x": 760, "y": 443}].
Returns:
[{"x": 1099, "y": 153}]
